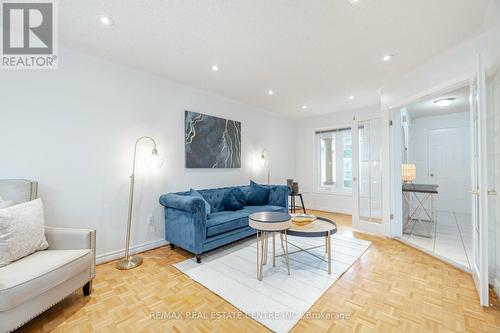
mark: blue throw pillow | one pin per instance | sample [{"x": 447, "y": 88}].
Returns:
[
  {"x": 234, "y": 199},
  {"x": 258, "y": 195},
  {"x": 195, "y": 193}
]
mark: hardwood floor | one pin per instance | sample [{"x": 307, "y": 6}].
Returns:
[{"x": 392, "y": 288}]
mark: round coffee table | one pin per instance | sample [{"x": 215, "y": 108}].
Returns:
[
  {"x": 265, "y": 223},
  {"x": 321, "y": 227}
]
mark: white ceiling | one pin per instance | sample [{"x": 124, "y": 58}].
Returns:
[
  {"x": 426, "y": 107},
  {"x": 309, "y": 52}
]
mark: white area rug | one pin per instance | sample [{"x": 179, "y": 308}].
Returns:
[{"x": 279, "y": 300}]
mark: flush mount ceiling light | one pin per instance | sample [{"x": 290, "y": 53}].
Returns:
[
  {"x": 354, "y": 2},
  {"x": 351, "y": 97},
  {"x": 215, "y": 68},
  {"x": 387, "y": 57},
  {"x": 105, "y": 20},
  {"x": 304, "y": 107},
  {"x": 444, "y": 102},
  {"x": 270, "y": 92}
]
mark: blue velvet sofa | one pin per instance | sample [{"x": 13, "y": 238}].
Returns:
[{"x": 188, "y": 226}]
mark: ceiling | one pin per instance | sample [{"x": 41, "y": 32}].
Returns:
[
  {"x": 314, "y": 53},
  {"x": 426, "y": 107}
]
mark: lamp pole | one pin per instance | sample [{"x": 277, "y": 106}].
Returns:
[
  {"x": 129, "y": 262},
  {"x": 263, "y": 158}
]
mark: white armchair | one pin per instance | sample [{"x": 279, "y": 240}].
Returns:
[{"x": 34, "y": 283}]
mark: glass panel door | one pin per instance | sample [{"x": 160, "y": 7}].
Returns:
[
  {"x": 370, "y": 170},
  {"x": 366, "y": 150}
]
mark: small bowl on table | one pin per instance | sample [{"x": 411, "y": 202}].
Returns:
[{"x": 302, "y": 219}]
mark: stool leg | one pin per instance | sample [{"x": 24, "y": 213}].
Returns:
[
  {"x": 303, "y": 206},
  {"x": 281, "y": 238}
]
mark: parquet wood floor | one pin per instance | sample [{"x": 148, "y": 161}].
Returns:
[{"x": 392, "y": 288}]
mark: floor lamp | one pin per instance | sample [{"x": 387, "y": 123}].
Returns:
[{"x": 129, "y": 262}]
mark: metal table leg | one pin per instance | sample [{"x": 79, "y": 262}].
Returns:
[{"x": 286, "y": 254}]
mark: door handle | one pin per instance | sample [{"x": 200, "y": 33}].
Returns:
[
  {"x": 431, "y": 174},
  {"x": 474, "y": 192},
  {"x": 354, "y": 179},
  {"x": 492, "y": 192}
]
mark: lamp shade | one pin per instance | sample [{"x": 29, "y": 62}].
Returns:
[{"x": 408, "y": 172}]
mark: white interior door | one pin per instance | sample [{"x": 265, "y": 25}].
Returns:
[
  {"x": 449, "y": 167},
  {"x": 367, "y": 176},
  {"x": 479, "y": 190}
]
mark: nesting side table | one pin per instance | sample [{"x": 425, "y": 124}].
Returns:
[{"x": 269, "y": 223}]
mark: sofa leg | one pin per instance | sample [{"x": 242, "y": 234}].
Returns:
[
  {"x": 87, "y": 288},
  {"x": 198, "y": 258},
  {"x": 172, "y": 246}
]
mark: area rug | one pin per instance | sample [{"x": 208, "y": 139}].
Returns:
[{"x": 279, "y": 300}]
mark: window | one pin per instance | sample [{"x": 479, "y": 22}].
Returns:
[{"x": 334, "y": 164}]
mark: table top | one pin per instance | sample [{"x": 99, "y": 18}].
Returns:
[
  {"x": 269, "y": 217},
  {"x": 317, "y": 228},
  {"x": 295, "y": 193},
  {"x": 420, "y": 188}
]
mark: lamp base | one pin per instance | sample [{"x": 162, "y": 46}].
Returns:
[{"x": 131, "y": 262}]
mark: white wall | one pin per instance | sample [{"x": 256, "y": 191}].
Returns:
[
  {"x": 73, "y": 130},
  {"x": 418, "y": 133},
  {"x": 305, "y": 163}
]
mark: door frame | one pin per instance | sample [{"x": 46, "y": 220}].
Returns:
[{"x": 396, "y": 196}]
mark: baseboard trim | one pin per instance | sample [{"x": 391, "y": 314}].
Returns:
[
  {"x": 113, "y": 255},
  {"x": 328, "y": 209}
]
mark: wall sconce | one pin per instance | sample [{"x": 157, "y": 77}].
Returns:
[
  {"x": 263, "y": 159},
  {"x": 408, "y": 172}
]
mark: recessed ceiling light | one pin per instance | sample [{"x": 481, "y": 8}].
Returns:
[
  {"x": 215, "y": 68},
  {"x": 304, "y": 107},
  {"x": 351, "y": 97},
  {"x": 105, "y": 20},
  {"x": 387, "y": 57},
  {"x": 444, "y": 102},
  {"x": 270, "y": 92}
]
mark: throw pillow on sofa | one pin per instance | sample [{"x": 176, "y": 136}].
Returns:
[
  {"x": 234, "y": 199},
  {"x": 195, "y": 193},
  {"x": 258, "y": 194},
  {"x": 22, "y": 231}
]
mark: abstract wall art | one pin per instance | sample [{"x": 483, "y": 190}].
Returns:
[{"x": 211, "y": 142}]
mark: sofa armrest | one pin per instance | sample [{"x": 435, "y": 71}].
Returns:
[
  {"x": 278, "y": 196},
  {"x": 71, "y": 239},
  {"x": 186, "y": 203}
]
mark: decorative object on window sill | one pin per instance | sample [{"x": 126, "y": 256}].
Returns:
[
  {"x": 129, "y": 262},
  {"x": 408, "y": 172}
]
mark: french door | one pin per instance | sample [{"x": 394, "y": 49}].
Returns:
[
  {"x": 367, "y": 169},
  {"x": 479, "y": 184}
]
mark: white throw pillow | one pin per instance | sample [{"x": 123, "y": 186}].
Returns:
[{"x": 22, "y": 231}]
